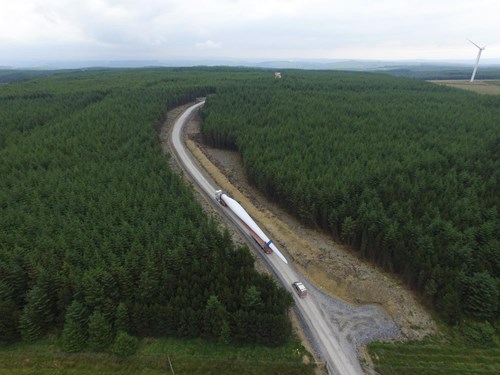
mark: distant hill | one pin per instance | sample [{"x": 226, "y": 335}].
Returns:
[
  {"x": 421, "y": 69},
  {"x": 13, "y": 75}
]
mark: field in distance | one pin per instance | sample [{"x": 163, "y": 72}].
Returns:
[{"x": 490, "y": 87}]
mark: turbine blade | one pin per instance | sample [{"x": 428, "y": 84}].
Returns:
[{"x": 474, "y": 44}]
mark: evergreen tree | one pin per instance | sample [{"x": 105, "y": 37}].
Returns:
[
  {"x": 252, "y": 298},
  {"x": 215, "y": 319},
  {"x": 125, "y": 345},
  {"x": 74, "y": 337},
  {"x": 480, "y": 334},
  {"x": 9, "y": 322},
  {"x": 122, "y": 322},
  {"x": 100, "y": 332},
  {"x": 225, "y": 333},
  {"x": 30, "y": 329},
  {"x": 37, "y": 314},
  {"x": 100, "y": 290},
  {"x": 480, "y": 296}
]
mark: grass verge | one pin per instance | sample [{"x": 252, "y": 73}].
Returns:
[
  {"x": 435, "y": 355},
  {"x": 157, "y": 356}
]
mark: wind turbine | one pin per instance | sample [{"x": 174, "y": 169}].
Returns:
[{"x": 481, "y": 49}]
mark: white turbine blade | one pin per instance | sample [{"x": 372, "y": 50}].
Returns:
[
  {"x": 278, "y": 253},
  {"x": 251, "y": 224},
  {"x": 474, "y": 44}
]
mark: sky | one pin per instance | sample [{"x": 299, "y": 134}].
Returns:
[{"x": 247, "y": 29}]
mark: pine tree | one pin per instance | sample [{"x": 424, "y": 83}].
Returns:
[
  {"x": 225, "y": 333},
  {"x": 214, "y": 315},
  {"x": 30, "y": 329},
  {"x": 100, "y": 332},
  {"x": 480, "y": 296},
  {"x": 252, "y": 298},
  {"x": 122, "y": 322},
  {"x": 37, "y": 314},
  {"x": 9, "y": 322},
  {"x": 74, "y": 335},
  {"x": 149, "y": 281},
  {"x": 125, "y": 345}
]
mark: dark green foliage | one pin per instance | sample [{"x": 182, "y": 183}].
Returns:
[
  {"x": 100, "y": 291},
  {"x": 405, "y": 171},
  {"x": 252, "y": 299},
  {"x": 100, "y": 332},
  {"x": 9, "y": 322},
  {"x": 13, "y": 75},
  {"x": 125, "y": 345},
  {"x": 37, "y": 313},
  {"x": 91, "y": 212},
  {"x": 480, "y": 295},
  {"x": 30, "y": 330},
  {"x": 75, "y": 333},
  {"x": 215, "y": 325},
  {"x": 480, "y": 334},
  {"x": 122, "y": 322},
  {"x": 225, "y": 333}
]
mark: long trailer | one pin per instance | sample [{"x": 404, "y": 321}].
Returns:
[{"x": 257, "y": 234}]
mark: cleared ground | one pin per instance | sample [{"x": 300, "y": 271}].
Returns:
[{"x": 488, "y": 87}]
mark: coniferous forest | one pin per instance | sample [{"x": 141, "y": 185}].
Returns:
[
  {"x": 99, "y": 239},
  {"x": 405, "y": 171}
]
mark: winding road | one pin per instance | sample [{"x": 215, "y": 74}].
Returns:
[{"x": 327, "y": 338}]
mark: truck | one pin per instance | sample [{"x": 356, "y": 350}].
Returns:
[
  {"x": 300, "y": 289},
  {"x": 253, "y": 229}
]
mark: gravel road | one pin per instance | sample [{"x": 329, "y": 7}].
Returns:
[{"x": 334, "y": 328}]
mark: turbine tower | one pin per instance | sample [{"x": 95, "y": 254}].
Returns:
[{"x": 477, "y": 60}]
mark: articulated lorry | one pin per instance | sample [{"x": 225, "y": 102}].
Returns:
[{"x": 253, "y": 229}]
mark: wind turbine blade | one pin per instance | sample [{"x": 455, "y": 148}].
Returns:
[{"x": 474, "y": 44}]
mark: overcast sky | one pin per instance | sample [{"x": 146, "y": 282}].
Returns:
[{"x": 260, "y": 29}]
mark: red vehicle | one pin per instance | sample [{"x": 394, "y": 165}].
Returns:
[{"x": 300, "y": 289}]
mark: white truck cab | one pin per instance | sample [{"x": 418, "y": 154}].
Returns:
[{"x": 300, "y": 289}]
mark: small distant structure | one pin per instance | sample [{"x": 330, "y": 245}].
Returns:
[{"x": 277, "y": 75}]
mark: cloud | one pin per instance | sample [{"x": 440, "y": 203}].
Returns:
[
  {"x": 159, "y": 29},
  {"x": 209, "y": 44}
]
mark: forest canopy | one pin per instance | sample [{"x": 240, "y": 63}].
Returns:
[
  {"x": 405, "y": 171},
  {"x": 99, "y": 237}
]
